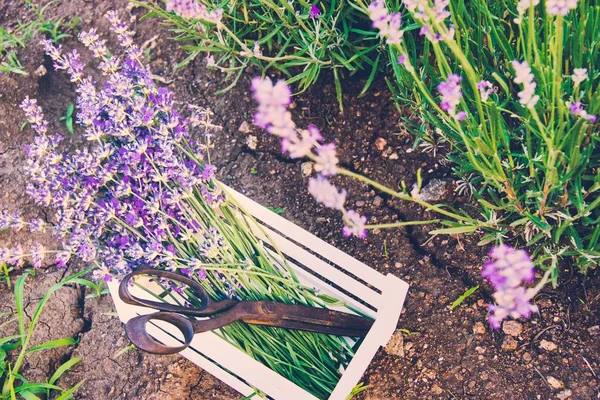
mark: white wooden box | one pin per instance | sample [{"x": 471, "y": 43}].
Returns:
[{"x": 365, "y": 289}]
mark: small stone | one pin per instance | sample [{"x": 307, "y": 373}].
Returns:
[
  {"x": 437, "y": 390},
  {"x": 394, "y": 156},
  {"x": 245, "y": 127},
  {"x": 360, "y": 203},
  {"x": 479, "y": 328},
  {"x": 471, "y": 384},
  {"x": 484, "y": 376},
  {"x": 377, "y": 201},
  {"x": 594, "y": 330},
  {"x": 547, "y": 345},
  {"x": 40, "y": 71},
  {"x": 435, "y": 190},
  {"x": 555, "y": 383},
  {"x": 512, "y": 328},
  {"x": 306, "y": 168},
  {"x": 509, "y": 344},
  {"x": 565, "y": 394},
  {"x": 396, "y": 345},
  {"x": 251, "y": 142},
  {"x": 526, "y": 357},
  {"x": 380, "y": 143}
]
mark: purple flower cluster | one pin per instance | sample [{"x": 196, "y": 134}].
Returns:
[
  {"x": 432, "y": 18},
  {"x": 388, "y": 24},
  {"x": 506, "y": 272},
  {"x": 136, "y": 193},
  {"x": 273, "y": 115},
  {"x": 314, "y": 12},
  {"x": 451, "y": 94},
  {"x": 524, "y": 76},
  {"x": 192, "y": 9},
  {"x": 577, "y": 109},
  {"x": 560, "y": 7}
]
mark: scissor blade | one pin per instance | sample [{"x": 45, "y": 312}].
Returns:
[{"x": 311, "y": 319}]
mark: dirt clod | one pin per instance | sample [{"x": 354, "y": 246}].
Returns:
[{"x": 512, "y": 328}]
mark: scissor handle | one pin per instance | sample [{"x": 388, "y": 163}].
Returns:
[
  {"x": 199, "y": 291},
  {"x": 138, "y": 334}
]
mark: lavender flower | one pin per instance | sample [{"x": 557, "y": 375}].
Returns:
[
  {"x": 560, "y": 7},
  {"x": 523, "y": 75},
  {"x": 192, "y": 9},
  {"x": 126, "y": 197},
  {"x": 326, "y": 193},
  {"x": 355, "y": 225},
  {"x": 523, "y": 7},
  {"x": 315, "y": 12},
  {"x": 429, "y": 16},
  {"x": 579, "y": 75},
  {"x": 451, "y": 94},
  {"x": 388, "y": 24},
  {"x": 485, "y": 89},
  {"x": 577, "y": 109},
  {"x": 508, "y": 270}
]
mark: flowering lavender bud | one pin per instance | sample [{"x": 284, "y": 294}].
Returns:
[
  {"x": 34, "y": 115},
  {"x": 485, "y": 89},
  {"x": 579, "y": 75},
  {"x": 451, "y": 93},
  {"x": 523, "y": 75},
  {"x": 192, "y": 9},
  {"x": 560, "y": 7},
  {"x": 326, "y": 193},
  {"x": 523, "y": 7},
  {"x": 355, "y": 225},
  {"x": 577, "y": 110},
  {"x": 388, "y": 24},
  {"x": 37, "y": 255},
  {"x": 15, "y": 256},
  {"x": 272, "y": 111},
  {"x": 314, "y": 12},
  {"x": 326, "y": 160},
  {"x": 506, "y": 272},
  {"x": 301, "y": 145}
]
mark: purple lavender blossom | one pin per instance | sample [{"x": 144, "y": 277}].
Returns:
[
  {"x": 451, "y": 93},
  {"x": 485, "y": 89},
  {"x": 560, "y": 7},
  {"x": 577, "y": 109},
  {"x": 506, "y": 272},
  {"x": 355, "y": 225},
  {"x": 388, "y": 24},
  {"x": 123, "y": 199},
  {"x": 327, "y": 194},
  {"x": 193, "y": 9},
  {"x": 314, "y": 12},
  {"x": 524, "y": 76}
]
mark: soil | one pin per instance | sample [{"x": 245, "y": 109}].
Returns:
[{"x": 436, "y": 353}]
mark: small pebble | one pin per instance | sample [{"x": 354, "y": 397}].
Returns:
[
  {"x": 307, "y": 168},
  {"x": 245, "y": 127},
  {"x": 380, "y": 143},
  {"x": 555, "y": 383},
  {"x": 479, "y": 328},
  {"x": 509, "y": 344},
  {"x": 565, "y": 394},
  {"x": 251, "y": 142},
  {"x": 547, "y": 345}
]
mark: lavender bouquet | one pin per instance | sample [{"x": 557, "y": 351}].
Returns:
[{"x": 143, "y": 194}]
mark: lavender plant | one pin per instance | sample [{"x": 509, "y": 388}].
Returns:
[
  {"x": 517, "y": 103},
  {"x": 529, "y": 153},
  {"x": 301, "y": 39},
  {"x": 143, "y": 193}
]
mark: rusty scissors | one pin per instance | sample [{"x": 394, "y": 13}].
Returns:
[{"x": 225, "y": 312}]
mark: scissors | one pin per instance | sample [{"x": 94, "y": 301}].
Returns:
[{"x": 269, "y": 313}]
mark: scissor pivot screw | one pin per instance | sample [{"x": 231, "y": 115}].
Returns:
[{"x": 268, "y": 308}]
